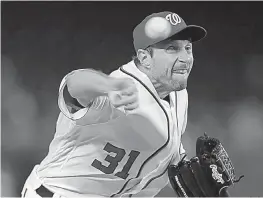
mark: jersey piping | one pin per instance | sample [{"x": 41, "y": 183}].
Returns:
[{"x": 162, "y": 147}]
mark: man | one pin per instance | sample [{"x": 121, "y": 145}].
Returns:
[{"x": 116, "y": 134}]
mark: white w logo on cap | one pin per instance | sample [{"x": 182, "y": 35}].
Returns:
[{"x": 173, "y": 18}]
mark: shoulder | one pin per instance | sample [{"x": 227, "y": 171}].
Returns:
[{"x": 118, "y": 74}]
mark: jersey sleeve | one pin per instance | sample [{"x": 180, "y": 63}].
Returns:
[
  {"x": 185, "y": 98},
  {"x": 185, "y": 120},
  {"x": 181, "y": 149},
  {"x": 98, "y": 111},
  {"x": 70, "y": 107}
]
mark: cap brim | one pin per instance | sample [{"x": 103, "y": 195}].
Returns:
[{"x": 192, "y": 32}]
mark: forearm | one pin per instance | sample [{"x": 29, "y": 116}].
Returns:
[{"x": 86, "y": 85}]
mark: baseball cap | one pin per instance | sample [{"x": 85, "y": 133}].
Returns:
[{"x": 163, "y": 25}]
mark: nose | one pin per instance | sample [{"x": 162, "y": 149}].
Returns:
[
  {"x": 184, "y": 57},
  {"x": 185, "y": 60}
]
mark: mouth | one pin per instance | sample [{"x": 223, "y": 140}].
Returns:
[
  {"x": 184, "y": 69},
  {"x": 180, "y": 71}
]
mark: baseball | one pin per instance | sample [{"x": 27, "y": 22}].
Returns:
[{"x": 157, "y": 27}]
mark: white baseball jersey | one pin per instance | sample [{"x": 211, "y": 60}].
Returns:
[{"x": 104, "y": 151}]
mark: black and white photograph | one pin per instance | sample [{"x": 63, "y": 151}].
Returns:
[{"x": 131, "y": 99}]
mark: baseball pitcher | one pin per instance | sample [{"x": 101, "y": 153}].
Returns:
[{"x": 117, "y": 134}]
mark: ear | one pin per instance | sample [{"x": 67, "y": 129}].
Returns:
[{"x": 144, "y": 58}]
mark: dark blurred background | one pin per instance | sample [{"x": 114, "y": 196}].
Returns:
[{"x": 43, "y": 41}]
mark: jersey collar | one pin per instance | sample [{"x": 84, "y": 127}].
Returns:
[{"x": 132, "y": 69}]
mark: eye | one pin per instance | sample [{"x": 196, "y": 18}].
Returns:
[
  {"x": 188, "y": 48},
  {"x": 172, "y": 49}
]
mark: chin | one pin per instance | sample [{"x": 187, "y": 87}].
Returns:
[
  {"x": 179, "y": 82},
  {"x": 180, "y": 86}
]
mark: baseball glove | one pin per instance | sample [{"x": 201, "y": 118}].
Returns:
[{"x": 208, "y": 174}]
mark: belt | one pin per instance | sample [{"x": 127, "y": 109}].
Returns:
[{"x": 44, "y": 192}]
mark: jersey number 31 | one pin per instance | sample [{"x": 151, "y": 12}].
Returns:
[{"x": 114, "y": 161}]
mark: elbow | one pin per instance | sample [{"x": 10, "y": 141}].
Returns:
[{"x": 73, "y": 86}]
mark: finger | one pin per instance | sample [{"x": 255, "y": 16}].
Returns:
[
  {"x": 131, "y": 106},
  {"x": 129, "y": 90},
  {"x": 126, "y": 100}
]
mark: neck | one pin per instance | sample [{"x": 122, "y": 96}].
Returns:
[{"x": 161, "y": 90}]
